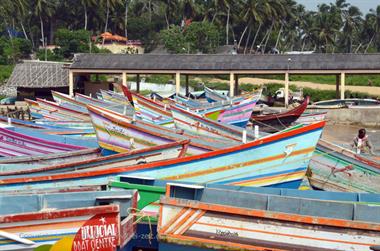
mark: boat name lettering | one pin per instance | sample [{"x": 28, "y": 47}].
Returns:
[
  {"x": 96, "y": 237},
  {"x": 226, "y": 233},
  {"x": 12, "y": 140},
  {"x": 115, "y": 129}
]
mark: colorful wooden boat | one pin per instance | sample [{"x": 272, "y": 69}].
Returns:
[
  {"x": 118, "y": 133},
  {"x": 67, "y": 221},
  {"x": 276, "y": 160},
  {"x": 134, "y": 157},
  {"x": 49, "y": 159},
  {"x": 344, "y": 103},
  {"x": 214, "y": 96},
  {"x": 195, "y": 123},
  {"x": 86, "y": 142},
  {"x": 279, "y": 121},
  {"x": 195, "y": 217},
  {"x": 151, "y": 111},
  {"x": 68, "y": 102},
  {"x": 114, "y": 97},
  {"x": 46, "y": 113},
  {"x": 335, "y": 168},
  {"x": 86, "y": 100},
  {"x": 17, "y": 144},
  {"x": 307, "y": 118},
  {"x": 55, "y": 108},
  {"x": 52, "y": 129},
  {"x": 237, "y": 114},
  {"x": 150, "y": 191}
]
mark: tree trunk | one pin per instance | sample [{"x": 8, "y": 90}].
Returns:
[
  {"x": 85, "y": 16},
  {"x": 370, "y": 42},
  {"x": 270, "y": 31},
  {"x": 51, "y": 35},
  {"x": 167, "y": 19},
  {"x": 247, "y": 41},
  {"x": 357, "y": 49},
  {"x": 126, "y": 19},
  {"x": 279, "y": 34},
  {"x": 242, "y": 35},
  {"x": 227, "y": 23},
  {"x": 107, "y": 15},
  {"x": 254, "y": 39},
  {"x": 303, "y": 44},
  {"x": 150, "y": 11},
  {"x": 42, "y": 32},
  {"x": 23, "y": 30}
]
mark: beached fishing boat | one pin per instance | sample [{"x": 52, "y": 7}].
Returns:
[
  {"x": 56, "y": 108},
  {"x": 345, "y": 103},
  {"x": 17, "y": 144},
  {"x": 335, "y": 168},
  {"x": 278, "y": 160},
  {"x": 237, "y": 114},
  {"x": 151, "y": 111},
  {"x": 195, "y": 123},
  {"x": 196, "y": 217},
  {"x": 47, "y": 113},
  {"x": 115, "y": 97},
  {"x": 48, "y": 159},
  {"x": 84, "y": 221},
  {"x": 68, "y": 102},
  {"x": 46, "y": 128},
  {"x": 214, "y": 95},
  {"x": 86, "y": 100},
  {"x": 134, "y": 157},
  {"x": 311, "y": 117},
  {"x": 279, "y": 121},
  {"x": 118, "y": 133}
]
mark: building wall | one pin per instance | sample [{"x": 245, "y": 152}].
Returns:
[{"x": 122, "y": 48}]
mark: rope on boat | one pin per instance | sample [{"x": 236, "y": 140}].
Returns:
[{"x": 140, "y": 215}]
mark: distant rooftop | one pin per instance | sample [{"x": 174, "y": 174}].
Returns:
[
  {"x": 266, "y": 62},
  {"x": 39, "y": 74}
]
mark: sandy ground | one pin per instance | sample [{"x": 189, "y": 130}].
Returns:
[{"x": 259, "y": 81}]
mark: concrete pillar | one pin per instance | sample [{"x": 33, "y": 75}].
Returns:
[
  {"x": 236, "y": 91},
  {"x": 71, "y": 83},
  {"x": 337, "y": 83},
  {"x": 187, "y": 84},
  {"x": 124, "y": 78},
  {"x": 177, "y": 82},
  {"x": 137, "y": 83},
  {"x": 342, "y": 83},
  {"x": 286, "y": 94},
  {"x": 232, "y": 82}
]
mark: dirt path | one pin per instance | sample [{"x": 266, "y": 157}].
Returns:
[{"x": 259, "y": 81}]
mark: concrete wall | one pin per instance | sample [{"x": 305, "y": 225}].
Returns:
[{"x": 354, "y": 116}]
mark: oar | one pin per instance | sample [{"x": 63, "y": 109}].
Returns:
[{"x": 16, "y": 238}]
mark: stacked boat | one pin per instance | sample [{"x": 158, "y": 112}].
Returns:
[{"x": 96, "y": 183}]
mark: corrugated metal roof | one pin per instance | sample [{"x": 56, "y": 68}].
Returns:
[
  {"x": 39, "y": 74},
  {"x": 227, "y": 62}
]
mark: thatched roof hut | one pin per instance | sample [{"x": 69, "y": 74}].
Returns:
[{"x": 37, "y": 78}]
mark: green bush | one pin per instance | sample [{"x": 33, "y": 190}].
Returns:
[{"x": 5, "y": 72}]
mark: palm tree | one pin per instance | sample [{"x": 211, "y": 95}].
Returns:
[
  {"x": 87, "y": 4},
  {"x": 351, "y": 23},
  {"x": 43, "y": 9}
]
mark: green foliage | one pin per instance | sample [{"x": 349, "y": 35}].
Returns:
[
  {"x": 197, "y": 37},
  {"x": 71, "y": 42},
  {"x": 11, "y": 51},
  {"x": 54, "y": 55},
  {"x": 5, "y": 72},
  {"x": 174, "y": 40}
]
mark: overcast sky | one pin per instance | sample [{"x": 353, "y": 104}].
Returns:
[{"x": 364, "y": 5}]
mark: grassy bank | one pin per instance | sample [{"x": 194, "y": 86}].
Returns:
[{"x": 5, "y": 72}]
